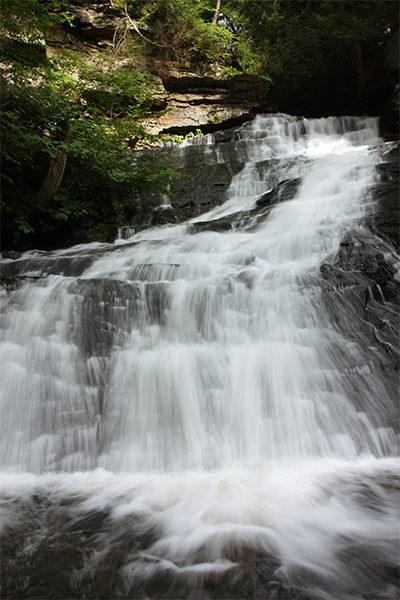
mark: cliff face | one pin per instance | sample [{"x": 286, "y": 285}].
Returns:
[
  {"x": 194, "y": 101},
  {"x": 206, "y": 103},
  {"x": 189, "y": 101}
]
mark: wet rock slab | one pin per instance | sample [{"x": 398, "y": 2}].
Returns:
[
  {"x": 384, "y": 219},
  {"x": 361, "y": 294}
]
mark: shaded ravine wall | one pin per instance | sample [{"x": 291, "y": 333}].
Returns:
[{"x": 193, "y": 100}]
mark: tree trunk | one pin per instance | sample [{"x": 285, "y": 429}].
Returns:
[
  {"x": 340, "y": 87},
  {"x": 55, "y": 173},
  {"x": 215, "y": 17},
  {"x": 360, "y": 76}
]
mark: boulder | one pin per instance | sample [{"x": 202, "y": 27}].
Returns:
[
  {"x": 97, "y": 22},
  {"x": 285, "y": 190}
]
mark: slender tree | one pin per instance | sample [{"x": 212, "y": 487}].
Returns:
[{"x": 216, "y": 13}]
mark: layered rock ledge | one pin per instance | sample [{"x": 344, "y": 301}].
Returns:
[{"x": 188, "y": 100}]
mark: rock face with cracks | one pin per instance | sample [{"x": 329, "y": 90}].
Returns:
[
  {"x": 189, "y": 100},
  {"x": 206, "y": 102}
]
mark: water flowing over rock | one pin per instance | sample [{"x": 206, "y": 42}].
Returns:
[{"x": 207, "y": 409}]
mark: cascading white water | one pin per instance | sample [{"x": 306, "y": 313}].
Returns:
[{"x": 204, "y": 370}]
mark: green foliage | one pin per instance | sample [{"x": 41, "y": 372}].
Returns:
[
  {"x": 100, "y": 175},
  {"x": 106, "y": 89},
  {"x": 23, "y": 53},
  {"x": 103, "y": 174},
  {"x": 31, "y": 126},
  {"x": 213, "y": 118},
  {"x": 117, "y": 91},
  {"x": 182, "y": 31},
  {"x": 178, "y": 139},
  {"x": 26, "y": 20},
  {"x": 306, "y": 40}
]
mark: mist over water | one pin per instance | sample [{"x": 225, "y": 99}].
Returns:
[{"x": 182, "y": 401}]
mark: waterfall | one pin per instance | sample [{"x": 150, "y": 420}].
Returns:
[{"x": 184, "y": 400}]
